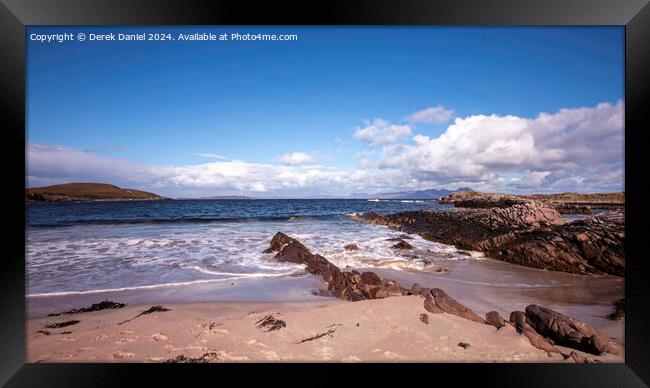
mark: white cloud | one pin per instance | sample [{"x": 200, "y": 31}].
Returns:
[
  {"x": 585, "y": 142},
  {"x": 531, "y": 180},
  {"x": 210, "y": 155},
  {"x": 49, "y": 164},
  {"x": 571, "y": 150},
  {"x": 432, "y": 115},
  {"x": 250, "y": 177},
  {"x": 381, "y": 132},
  {"x": 296, "y": 158}
]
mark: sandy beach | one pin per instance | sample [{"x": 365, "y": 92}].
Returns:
[{"x": 385, "y": 330}]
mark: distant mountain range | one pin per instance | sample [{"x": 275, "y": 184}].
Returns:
[
  {"x": 226, "y": 197},
  {"x": 419, "y": 194}
]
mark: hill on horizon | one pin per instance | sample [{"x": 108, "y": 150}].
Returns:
[{"x": 86, "y": 192}]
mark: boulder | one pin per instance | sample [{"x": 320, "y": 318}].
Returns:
[
  {"x": 278, "y": 241},
  {"x": 379, "y": 293},
  {"x": 570, "y": 332},
  {"x": 402, "y": 245},
  {"x": 393, "y": 287},
  {"x": 351, "y": 247},
  {"x": 495, "y": 319},
  {"x": 519, "y": 320},
  {"x": 417, "y": 289},
  {"x": 437, "y": 301},
  {"x": 293, "y": 252},
  {"x": 370, "y": 278}
]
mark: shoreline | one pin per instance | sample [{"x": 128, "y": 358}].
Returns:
[{"x": 409, "y": 300}]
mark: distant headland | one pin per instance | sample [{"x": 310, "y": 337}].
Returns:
[{"x": 72, "y": 192}]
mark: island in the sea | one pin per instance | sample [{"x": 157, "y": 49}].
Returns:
[{"x": 87, "y": 192}]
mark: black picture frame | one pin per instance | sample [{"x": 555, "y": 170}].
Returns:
[{"x": 633, "y": 14}]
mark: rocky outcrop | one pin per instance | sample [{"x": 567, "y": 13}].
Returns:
[
  {"x": 543, "y": 327},
  {"x": 351, "y": 247},
  {"x": 565, "y": 203},
  {"x": 571, "y": 208},
  {"x": 546, "y": 328},
  {"x": 570, "y": 332},
  {"x": 350, "y": 285},
  {"x": 354, "y": 286},
  {"x": 591, "y": 245},
  {"x": 519, "y": 320},
  {"x": 528, "y": 233},
  {"x": 279, "y": 240},
  {"x": 437, "y": 301}
]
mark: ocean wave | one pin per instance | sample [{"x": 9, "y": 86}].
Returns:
[
  {"x": 162, "y": 285},
  {"x": 109, "y": 258},
  {"x": 240, "y": 274},
  {"x": 181, "y": 220}
]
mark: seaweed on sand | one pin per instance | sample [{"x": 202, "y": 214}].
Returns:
[
  {"x": 271, "y": 323},
  {"x": 58, "y": 325},
  {"x": 103, "y": 305},
  {"x": 183, "y": 359},
  {"x": 317, "y": 336},
  {"x": 46, "y": 332},
  {"x": 153, "y": 309}
]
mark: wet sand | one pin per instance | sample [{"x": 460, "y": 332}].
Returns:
[{"x": 385, "y": 330}]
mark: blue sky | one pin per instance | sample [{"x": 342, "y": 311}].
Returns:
[{"x": 162, "y": 108}]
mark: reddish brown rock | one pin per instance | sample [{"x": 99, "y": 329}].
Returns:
[
  {"x": 495, "y": 319},
  {"x": 590, "y": 245},
  {"x": 570, "y": 332},
  {"x": 438, "y": 301},
  {"x": 370, "y": 278},
  {"x": 527, "y": 233},
  {"x": 393, "y": 287},
  {"x": 379, "y": 293},
  {"x": 430, "y": 305},
  {"x": 519, "y": 320},
  {"x": 402, "y": 245},
  {"x": 581, "y": 359},
  {"x": 417, "y": 289},
  {"x": 351, "y": 247},
  {"x": 350, "y": 285},
  {"x": 278, "y": 241},
  {"x": 293, "y": 252}
]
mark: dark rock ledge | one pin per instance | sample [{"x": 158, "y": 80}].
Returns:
[{"x": 523, "y": 232}]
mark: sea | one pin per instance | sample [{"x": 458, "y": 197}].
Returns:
[{"x": 212, "y": 250}]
